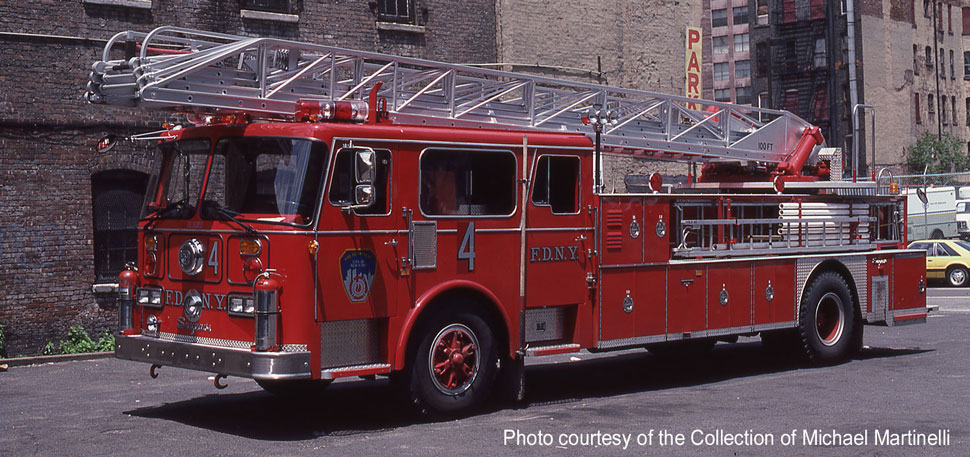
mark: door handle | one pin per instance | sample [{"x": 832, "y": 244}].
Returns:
[{"x": 393, "y": 242}]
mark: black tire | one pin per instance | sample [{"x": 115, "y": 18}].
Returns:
[
  {"x": 465, "y": 378},
  {"x": 293, "y": 387},
  {"x": 936, "y": 235},
  {"x": 956, "y": 276},
  {"x": 827, "y": 323}
]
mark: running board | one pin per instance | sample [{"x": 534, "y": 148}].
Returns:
[
  {"x": 553, "y": 350},
  {"x": 355, "y": 370}
]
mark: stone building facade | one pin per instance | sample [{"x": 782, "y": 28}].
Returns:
[{"x": 65, "y": 208}]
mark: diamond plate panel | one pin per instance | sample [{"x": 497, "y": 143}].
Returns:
[
  {"x": 856, "y": 266},
  {"x": 354, "y": 342},
  {"x": 544, "y": 324}
]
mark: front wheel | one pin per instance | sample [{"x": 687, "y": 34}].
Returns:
[
  {"x": 827, "y": 320},
  {"x": 455, "y": 365},
  {"x": 957, "y": 276}
]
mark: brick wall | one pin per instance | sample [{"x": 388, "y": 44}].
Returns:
[{"x": 48, "y": 133}]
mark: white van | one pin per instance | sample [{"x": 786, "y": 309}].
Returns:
[
  {"x": 963, "y": 219},
  {"x": 936, "y": 218}
]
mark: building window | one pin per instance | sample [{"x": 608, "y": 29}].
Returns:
[
  {"x": 742, "y": 69},
  {"x": 916, "y": 59},
  {"x": 919, "y": 118},
  {"x": 929, "y": 107},
  {"x": 761, "y": 58},
  {"x": 966, "y": 21},
  {"x": 821, "y": 103},
  {"x": 274, "y": 6},
  {"x": 942, "y": 64},
  {"x": 817, "y": 9},
  {"x": 762, "y": 12},
  {"x": 953, "y": 108},
  {"x": 787, "y": 10},
  {"x": 741, "y": 15},
  {"x": 929, "y": 57},
  {"x": 791, "y": 100},
  {"x": 939, "y": 17},
  {"x": 966, "y": 65},
  {"x": 943, "y": 117},
  {"x": 953, "y": 74},
  {"x": 721, "y": 71},
  {"x": 949, "y": 19},
  {"x": 763, "y": 102},
  {"x": 719, "y": 18},
  {"x": 926, "y": 8},
  {"x": 117, "y": 197},
  {"x": 720, "y": 45},
  {"x": 722, "y": 95},
  {"x": 741, "y": 42},
  {"x": 820, "y": 56},
  {"x": 743, "y": 95},
  {"x": 396, "y": 11}
]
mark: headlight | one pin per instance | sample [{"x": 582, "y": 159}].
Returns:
[
  {"x": 149, "y": 297},
  {"x": 190, "y": 256},
  {"x": 240, "y": 305},
  {"x": 152, "y": 325}
]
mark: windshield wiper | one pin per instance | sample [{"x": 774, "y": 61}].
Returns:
[{"x": 214, "y": 207}]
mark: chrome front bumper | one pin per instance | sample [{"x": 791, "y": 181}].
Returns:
[{"x": 228, "y": 361}]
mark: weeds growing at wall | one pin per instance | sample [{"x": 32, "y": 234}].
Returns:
[{"x": 78, "y": 341}]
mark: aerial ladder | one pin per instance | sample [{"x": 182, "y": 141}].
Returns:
[{"x": 201, "y": 72}]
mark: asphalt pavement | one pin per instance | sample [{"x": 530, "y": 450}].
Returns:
[{"x": 905, "y": 394}]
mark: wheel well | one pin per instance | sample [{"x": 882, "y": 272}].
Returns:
[
  {"x": 839, "y": 268},
  {"x": 470, "y": 300}
]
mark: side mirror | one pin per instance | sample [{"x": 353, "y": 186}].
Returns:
[
  {"x": 363, "y": 195},
  {"x": 364, "y": 166}
]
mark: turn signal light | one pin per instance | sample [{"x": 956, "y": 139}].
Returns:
[
  {"x": 313, "y": 247},
  {"x": 893, "y": 188},
  {"x": 249, "y": 247},
  {"x": 151, "y": 243}
]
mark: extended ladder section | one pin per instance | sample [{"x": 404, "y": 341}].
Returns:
[{"x": 203, "y": 72}]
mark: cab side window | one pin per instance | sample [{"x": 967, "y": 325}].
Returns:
[
  {"x": 342, "y": 184},
  {"x": 556, "y": 184},
  {"x": 467, "y": 182}
]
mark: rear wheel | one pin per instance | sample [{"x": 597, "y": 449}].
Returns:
[
  {"x": 455, "y": 365},
  {"x": 956, "y": 276},
  {"x": 937, "y": 234},
  {"x": 827, "y": 320}
]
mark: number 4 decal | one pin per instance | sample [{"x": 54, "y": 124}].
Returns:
[
  {"x": 214, "y": 258},
  {"x": 466, "y": 251}
]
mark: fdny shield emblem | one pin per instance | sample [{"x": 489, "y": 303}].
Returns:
[{"x": 358, "y": 268}]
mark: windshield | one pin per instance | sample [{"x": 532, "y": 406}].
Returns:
[
  {"x": 274, "y": 180},
  {"x": 177, "y": 180}
]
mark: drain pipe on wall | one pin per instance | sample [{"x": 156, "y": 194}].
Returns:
[{"x": 853, "y": 85}]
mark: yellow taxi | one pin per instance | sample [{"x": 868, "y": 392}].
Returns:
[{"x": 946, "y": 259}]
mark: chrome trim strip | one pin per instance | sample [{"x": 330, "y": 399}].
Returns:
[
  {"x": 227, "y": 361},
  {"x": 474, "y": 145}
]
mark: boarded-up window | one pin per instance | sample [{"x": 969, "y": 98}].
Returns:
[{"x": 966, "y": 20}]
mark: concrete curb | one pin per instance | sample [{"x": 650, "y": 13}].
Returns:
[{"x": 22, "y": 361}]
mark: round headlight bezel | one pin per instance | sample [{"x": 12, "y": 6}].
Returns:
[{"x": 190, "y": 256}]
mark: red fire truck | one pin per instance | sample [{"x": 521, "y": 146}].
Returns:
[{"x": 335, "y": 213}]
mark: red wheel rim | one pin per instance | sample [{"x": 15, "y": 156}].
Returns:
[
  {"x": 453, "y": 361},
  {"x": 829, "y": 319}
]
